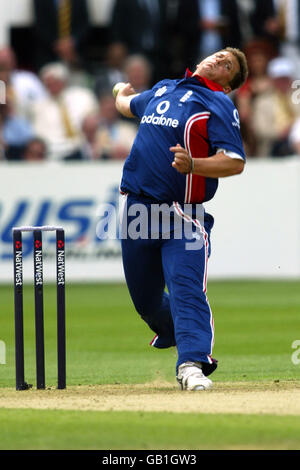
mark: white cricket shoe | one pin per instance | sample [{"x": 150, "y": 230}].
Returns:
[{"x": 191, "y": 377}]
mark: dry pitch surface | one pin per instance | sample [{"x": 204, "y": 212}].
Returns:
[{"x": 274, "y": 398}]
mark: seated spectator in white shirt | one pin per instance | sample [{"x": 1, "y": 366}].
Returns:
[{"x": 58, "y": 118}]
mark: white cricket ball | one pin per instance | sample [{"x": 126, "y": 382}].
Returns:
[{"x": 117, "y": 88}]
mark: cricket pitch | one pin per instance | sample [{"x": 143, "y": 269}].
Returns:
[{"x": 274, "y": 398}]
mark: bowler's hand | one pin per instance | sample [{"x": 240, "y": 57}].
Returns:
[
  {"x": 182, "y": 160},
  {"x": 127, "y": 90},
  {"x": 123, "y": 98}
]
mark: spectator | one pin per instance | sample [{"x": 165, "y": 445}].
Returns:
[
  {"x": 138, "y": 72},
  {"x": 91, "y": 148},
  {"x": 288, "y": 12},
  {"x": 15, "y": 132},
  {"x": 35, "y": 150},
  {"x": 23, "y": 88},
  {"x": 61, "y": 29},
  {"x": 114, "y": 136},
  {"x": 258, "y": 20},
  {"x": 207, "y": 26},
  {"x": 258, "y": 55},
  {"x": 57, "y": 119},
  {"x": 274, "y": 112},
  {"x": 141, "y": 25},
  {"x": 294, "y": 137},
  {"x": 112, "y": 70}
]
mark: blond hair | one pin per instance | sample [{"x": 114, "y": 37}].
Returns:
[{"x": 240, "y": 77}]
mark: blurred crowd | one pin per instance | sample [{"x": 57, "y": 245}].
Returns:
[{"x": 63, "y": 109}]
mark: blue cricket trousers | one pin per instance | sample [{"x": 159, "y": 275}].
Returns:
[{"x": 181, "y": 317}]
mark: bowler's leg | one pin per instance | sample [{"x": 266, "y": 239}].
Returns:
[
  {"x": 145, "y": 280},
  {"x": 185, "y": 273}
]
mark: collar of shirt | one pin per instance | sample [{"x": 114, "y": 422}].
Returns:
[{"x": 204, "y": 81}]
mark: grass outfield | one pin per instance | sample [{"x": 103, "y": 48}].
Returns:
[
  {"x": 136, "y": 431},
  {"x": 255, "y": 326}
]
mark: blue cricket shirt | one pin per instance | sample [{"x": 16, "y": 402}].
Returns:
[{"x": 197, "y": 114}]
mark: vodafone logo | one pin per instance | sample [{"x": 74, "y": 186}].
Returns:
[
  {"x": 163, "y": 107},
  {"x": 236, "y": 122},
  {"x": 160, "y": 120}
]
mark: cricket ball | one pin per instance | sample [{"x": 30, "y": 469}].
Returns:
[{"x": 117, "y": 88}]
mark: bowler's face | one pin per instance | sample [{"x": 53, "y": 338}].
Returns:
[{"x": 220, "y": 67}]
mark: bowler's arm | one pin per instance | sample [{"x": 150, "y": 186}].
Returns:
[
  {"x": 123, "y": 99},
  {"x": 216, "y": 166}
]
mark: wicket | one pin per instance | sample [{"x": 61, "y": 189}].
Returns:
[{"x": 39, "y": 305}]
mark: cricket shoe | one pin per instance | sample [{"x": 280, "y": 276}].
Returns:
[{"x": 191, "y": 377}]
